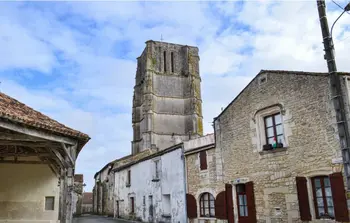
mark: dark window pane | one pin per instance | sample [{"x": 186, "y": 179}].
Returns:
[
  {"x": 317, "y": 183},
  {"x": 240, "y": 188},
  {"x": 49, "y": 203},
  {"x": 326, "y": 182}
]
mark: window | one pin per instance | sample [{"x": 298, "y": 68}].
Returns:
[
  {"x": 203, "y": 160},
  {"x": 166, "y": 204},
  {"x": 129, "y": 178},
  {"x": 172, "y": 62},
  {"x": 323, "y": 199},
  {"x": 207, "y": 207},
  {"x": 132, "y": 205},
  {"x": 164, "y": 55},
  {"x": 49, "y": 203},
  {"x": 242, "y": 200},
  {"x": 274, "y": 130},
  {"x": 150, "y": 201},
  {"x": 157, "y": 169}
]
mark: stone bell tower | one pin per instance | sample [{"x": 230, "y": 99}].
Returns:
[{"x": 167, "y": 104}]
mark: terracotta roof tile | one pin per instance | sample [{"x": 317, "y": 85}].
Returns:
[
  {"x": 127, "y": 160},
  {"x": 16, "y": 111}
]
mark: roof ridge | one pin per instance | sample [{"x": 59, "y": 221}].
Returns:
[{"x": 299, "y": 72}]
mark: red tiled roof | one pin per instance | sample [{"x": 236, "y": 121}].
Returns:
[
  {"x": 79, "y": 178},
  {"x": 15, "y": 111},
  {"x": 87, "y": 198}
]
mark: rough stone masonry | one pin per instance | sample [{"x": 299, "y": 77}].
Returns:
[{"x": 167, "y": 105}]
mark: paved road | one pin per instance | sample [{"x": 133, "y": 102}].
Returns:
[{"x": 97, "y": 219}]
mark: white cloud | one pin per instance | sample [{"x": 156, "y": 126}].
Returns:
[{"x": 89, "y": 51}]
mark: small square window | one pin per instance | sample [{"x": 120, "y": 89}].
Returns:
[{"x": 49, "y": 203}]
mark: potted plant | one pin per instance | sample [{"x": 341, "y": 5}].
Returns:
[{"x": 267, "y": 147}]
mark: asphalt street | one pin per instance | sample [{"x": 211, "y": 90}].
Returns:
[{"x": 97, "y": 219}]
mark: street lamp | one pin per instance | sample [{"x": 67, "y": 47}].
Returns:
[
  {"x": 346, "y": 9},
  {"x": 335, "y": 87}
]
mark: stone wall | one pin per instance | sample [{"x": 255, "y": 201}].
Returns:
[
  {"x": 310, "y": 140},
  {"x": 202, "y": 181},
  {"x": 167, "y": 96},
  {"x": 103, "y": 191}
]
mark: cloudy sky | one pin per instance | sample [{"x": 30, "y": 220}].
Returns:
[{"x": 76, "y": 61}]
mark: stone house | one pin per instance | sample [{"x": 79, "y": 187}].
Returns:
[
  {"x": 103, "y": 191},
  {"x": 205, "y": 200},
  {"x": 150, "y": 186},
  {"x": 279, "y": 149},
  {"x": 78, "y": 189},
  {"x": 87, "y": 202},
  {"x": 37, "y": 161}
]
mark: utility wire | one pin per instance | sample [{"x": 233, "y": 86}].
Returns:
[
  {"x": 339, "y": 6},
  {"x": 335, "y": 23},
  {"x": 341, "y": 40}
]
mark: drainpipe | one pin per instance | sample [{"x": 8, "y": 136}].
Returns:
[{"x": 185, "y": 179}]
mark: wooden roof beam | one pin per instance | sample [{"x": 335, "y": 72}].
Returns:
[{"x": 36, "y": 133}]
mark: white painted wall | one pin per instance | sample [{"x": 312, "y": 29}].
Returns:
[
  {"x": 23, "y": 189},
  {"x": 171, "y": 182}
]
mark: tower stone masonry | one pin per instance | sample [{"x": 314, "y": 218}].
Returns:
[{"x": 167, "y": 104}]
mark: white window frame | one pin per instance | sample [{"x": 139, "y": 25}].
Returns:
[{"x": 260, "y": 126}]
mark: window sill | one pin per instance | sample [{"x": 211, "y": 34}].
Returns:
[
  {"x": 283, "y": 149},
  {"x": 127, "y": 185},
  {"x": 206, "y": 218},
  {"x": 155, "y": 180}
]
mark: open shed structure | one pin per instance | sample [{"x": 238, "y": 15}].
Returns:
[{"x": 37, "y": 160}]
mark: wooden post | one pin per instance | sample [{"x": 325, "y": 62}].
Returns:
[
  {"x": 62, "y": 199},
  {"x": 69, "y": 195}
]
